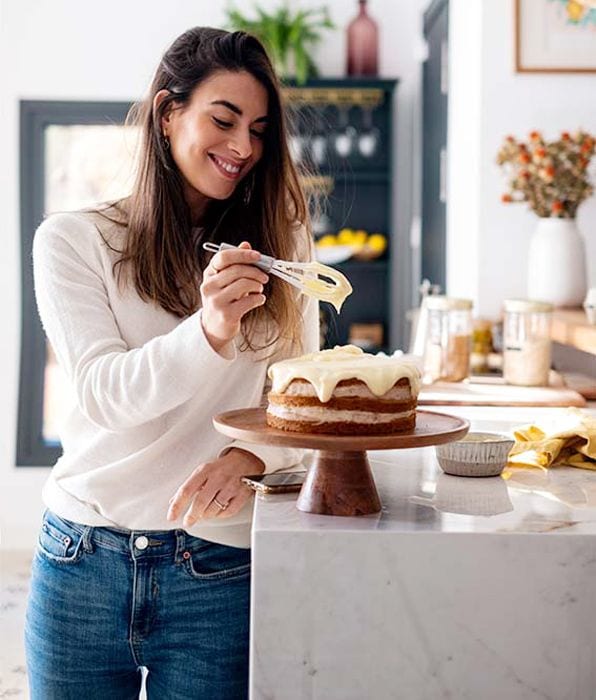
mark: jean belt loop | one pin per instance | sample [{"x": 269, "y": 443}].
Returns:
[
  {"x": 180, "y": 544},
  {"x": 87, "y": 533}
]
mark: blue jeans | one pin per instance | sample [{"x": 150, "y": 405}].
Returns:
[{"x": 105, "y": 602}]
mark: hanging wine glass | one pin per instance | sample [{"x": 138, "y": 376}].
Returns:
[
  {"x": 296, "y": 144},
  {"x": 344, "y": 138},
  {"x": 319, "y": 143},
  {"x": 368, "y": 140}
]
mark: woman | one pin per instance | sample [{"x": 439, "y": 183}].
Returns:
[{"x": 143, "y": 558}]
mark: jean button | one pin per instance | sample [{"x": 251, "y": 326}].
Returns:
[{"x": 141, "y": 542}]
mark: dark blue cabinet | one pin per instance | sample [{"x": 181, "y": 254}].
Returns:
[{"x": 354, "y": 120}]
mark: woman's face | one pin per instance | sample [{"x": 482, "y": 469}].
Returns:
[{"x": 217, "y": 137}]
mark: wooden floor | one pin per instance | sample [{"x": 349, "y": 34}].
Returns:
[{"x": 14, "y": 585}]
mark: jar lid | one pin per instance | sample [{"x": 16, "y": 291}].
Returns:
[
  {"x": 440, "y": 302},
  {"x": 525, "y": 306}
]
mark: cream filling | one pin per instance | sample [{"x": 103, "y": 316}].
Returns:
[
  {"x": 318, "y": 414},
  {"x": 325, "y": 369},
  {"x": 398, "y": 393}
]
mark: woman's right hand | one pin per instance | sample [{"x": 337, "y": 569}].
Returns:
[{"x": 231, "y": 287}]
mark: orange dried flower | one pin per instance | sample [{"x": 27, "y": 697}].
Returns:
[
  {"x": 552, "y": 176},
  {"x": 556, "y": 207}
]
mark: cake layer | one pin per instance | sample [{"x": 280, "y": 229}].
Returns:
[
  {"x": 347, "y": 403},
  {"x": 323, "y": 414},
  {"x": 343, "y": 428}
]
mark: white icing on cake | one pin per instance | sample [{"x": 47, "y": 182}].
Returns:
[{"x": 325, "y": 369}]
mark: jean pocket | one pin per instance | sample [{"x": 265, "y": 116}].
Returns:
[
  {"x": 59, "y": 541},
  {"x": 218, "y": 561}
]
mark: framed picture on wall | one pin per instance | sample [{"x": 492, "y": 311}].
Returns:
[{"x": 555, "y": 36}]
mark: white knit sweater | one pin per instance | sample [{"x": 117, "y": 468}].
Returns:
[{"x": 147, "y": 385}]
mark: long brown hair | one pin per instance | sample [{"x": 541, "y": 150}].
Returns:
[{"x": 163, "y": 252}]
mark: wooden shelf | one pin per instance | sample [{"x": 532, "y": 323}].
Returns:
[{"x": 571, "y": 327}]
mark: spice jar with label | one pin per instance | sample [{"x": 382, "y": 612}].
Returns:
[
  {"x": 526, "y": 342},
  {"x": 449, "y": 339}
]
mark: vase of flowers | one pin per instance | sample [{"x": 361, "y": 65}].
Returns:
[{"x": 553, "y": 178}]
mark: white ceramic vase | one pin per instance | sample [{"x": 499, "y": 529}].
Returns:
[{"x": 557, "y": 263}]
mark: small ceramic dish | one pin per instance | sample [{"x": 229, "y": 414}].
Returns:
[{"x": 476, "y": 454}]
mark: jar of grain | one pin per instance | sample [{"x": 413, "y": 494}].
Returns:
[
  {"x": 449, "y": 339},
  {"x": 526, "y": 342}
]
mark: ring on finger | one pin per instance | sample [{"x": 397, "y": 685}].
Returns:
[{"x": 221, "y": 506}]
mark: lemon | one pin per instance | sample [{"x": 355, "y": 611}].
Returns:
[
  {"x": 378, "y": 242},
  {"x": 344, "y": 237},
  {"x": 326, "y": 241},
  {"x": 359, "y": 237}
]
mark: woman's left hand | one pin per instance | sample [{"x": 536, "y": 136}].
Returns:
[{"x": 215, "y": 489}]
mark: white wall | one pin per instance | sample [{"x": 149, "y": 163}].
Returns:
[
  {"x": 488, "y": 100},
  {"x": 68, "y": 49}
]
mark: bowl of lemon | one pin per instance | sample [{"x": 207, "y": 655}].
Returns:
[{"x": 350, "y": 243}]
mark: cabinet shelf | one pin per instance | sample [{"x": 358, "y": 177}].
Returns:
[
  {"x": 357, "y": 175},
  {"x": 362, "y": 265}
]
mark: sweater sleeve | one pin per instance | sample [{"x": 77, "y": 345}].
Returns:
[
  {"x": 277, "y": 458},
  {"x": 117, "y": 388}
]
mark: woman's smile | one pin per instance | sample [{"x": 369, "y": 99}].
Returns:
[{"x": 226, "y": 167}]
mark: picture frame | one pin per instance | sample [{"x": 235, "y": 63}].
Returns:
[{"x": 555, "y": 36}]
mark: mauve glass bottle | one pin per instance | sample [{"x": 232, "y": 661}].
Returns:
[{"x": 363, "y": 44}]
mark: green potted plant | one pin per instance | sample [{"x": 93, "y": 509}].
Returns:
[{"x": 288, "y": 36}]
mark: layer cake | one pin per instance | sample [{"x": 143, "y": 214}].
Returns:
[{"x": 343, "y": 391}]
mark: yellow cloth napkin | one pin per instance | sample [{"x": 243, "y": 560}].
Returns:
[{"x": 572, "y": 442}]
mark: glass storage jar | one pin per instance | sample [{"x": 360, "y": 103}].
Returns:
[
  {"x": 449, "y": 339},
  {"x": 526, "y": 342}
]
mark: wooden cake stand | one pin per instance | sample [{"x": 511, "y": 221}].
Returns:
[{"x": 340, "y": 481}]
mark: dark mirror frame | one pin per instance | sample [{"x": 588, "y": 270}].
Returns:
[{"x": 35, "y": 116}]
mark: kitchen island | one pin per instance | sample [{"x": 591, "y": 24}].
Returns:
[{"x": 460, "y": 588}]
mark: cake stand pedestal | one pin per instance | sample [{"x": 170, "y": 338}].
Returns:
[{"x": 340, "y": 481}]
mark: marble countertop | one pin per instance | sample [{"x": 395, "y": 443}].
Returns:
[
  {"x": 418, "y": 497},
  {"x": 460, "y": 588}
]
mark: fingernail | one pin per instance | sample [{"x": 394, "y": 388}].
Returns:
[
  {"x": 255, "y": 254},
  {"x": 171, "y": 513}
]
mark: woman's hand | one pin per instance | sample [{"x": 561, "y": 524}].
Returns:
[
  {"x": 231, "y": 287},
  {"x": 214, "y": 489}
]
